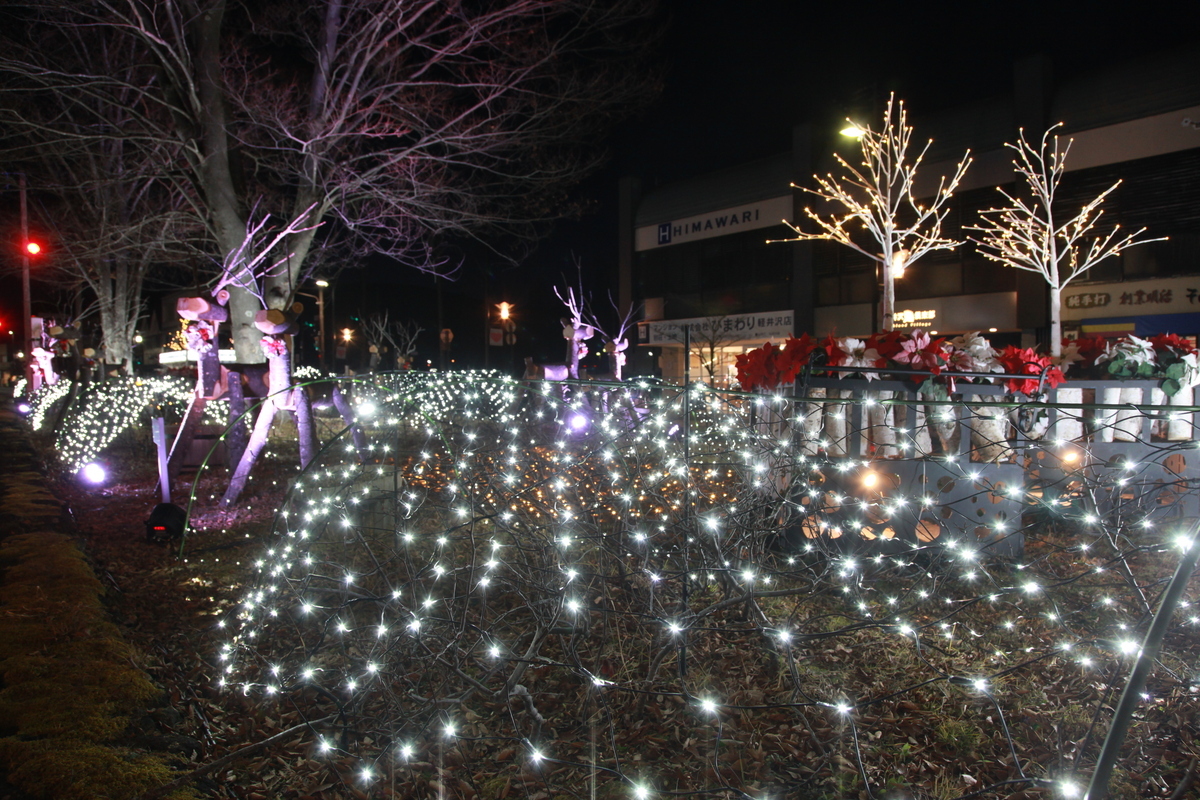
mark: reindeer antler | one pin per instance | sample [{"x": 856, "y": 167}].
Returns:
[{"x": 244, "y": 267}]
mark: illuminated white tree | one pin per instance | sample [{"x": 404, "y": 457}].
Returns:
[
  {"x": 877, "y": 198},
  {"x": 1027, "y": 234}
]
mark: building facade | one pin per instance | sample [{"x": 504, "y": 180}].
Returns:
[{"x": 705, "y": 256}]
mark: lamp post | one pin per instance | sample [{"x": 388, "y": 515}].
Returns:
[{"x": 322, "y": 285}]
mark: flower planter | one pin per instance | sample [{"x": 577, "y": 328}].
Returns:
[{"x": 1113, "y": 446}]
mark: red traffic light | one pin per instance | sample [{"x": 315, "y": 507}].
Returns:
[{"x": 33, "y": 248}]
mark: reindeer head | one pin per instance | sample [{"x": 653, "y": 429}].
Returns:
[
  {"x": 616, "y": 350},
  {"x": 209, "y": 309}
]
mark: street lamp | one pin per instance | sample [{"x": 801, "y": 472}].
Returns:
[
  {"x": 507, "y": 328},
  {"x": 322, "y": 285}
]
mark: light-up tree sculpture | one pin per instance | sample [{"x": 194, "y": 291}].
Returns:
[
  {"x": 1027, "y": 234},
  {"x": 400, "y": 336},
  {"x": 877, "y": 199}
]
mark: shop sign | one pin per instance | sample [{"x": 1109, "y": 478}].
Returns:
[
  {"x": 726, "y": 329},
  {"x": 1132, "y": 298},
  {"x": 762, "y": 214},
  {"x": 909, "y": 318}
]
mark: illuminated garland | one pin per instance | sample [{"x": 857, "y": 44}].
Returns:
[
  {"x": 108, "y": 408},
  {"x": 44, "y": 401}
]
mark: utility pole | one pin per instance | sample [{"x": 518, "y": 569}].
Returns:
[{"x": 27, "y": 307}]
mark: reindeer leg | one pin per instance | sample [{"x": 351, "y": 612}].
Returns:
[{"x": 258, "y": 441}]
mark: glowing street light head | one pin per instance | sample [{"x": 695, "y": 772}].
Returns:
[
  {"x": 853, "y": 130},
  {"x": 33, "y": 248},
  {"x": 321, "y": 282},
  {"x": 347, "y": 335}
]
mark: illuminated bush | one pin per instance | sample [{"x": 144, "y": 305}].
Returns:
[{"x": 656, "y": 600}]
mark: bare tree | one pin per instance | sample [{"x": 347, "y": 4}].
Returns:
[
  {"x": 1027, "y": 234},
  {"x": 101, "y": 187},
  {"x": 249, "y": 268},
  {"x": 394, "y": 120},
  {"x": 878, "y": 199}
]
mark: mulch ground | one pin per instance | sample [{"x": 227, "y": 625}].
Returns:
[{"x": 169, "y": 606}]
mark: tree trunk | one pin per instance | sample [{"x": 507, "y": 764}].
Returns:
[
  {"x": 304, "y": 425},
  {"x": 216, "y": 173},
  {"x": 889, "y": 297},
  {"x": 242, "y": 308},
  {"x": 235, "y": 439},
  {"x": 1055, "y": 321}
]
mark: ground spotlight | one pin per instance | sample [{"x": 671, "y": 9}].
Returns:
[
  {"x": 94, "y": 473},
  {"x": 166, "y": 522}
]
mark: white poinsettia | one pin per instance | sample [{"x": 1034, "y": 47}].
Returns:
[
  {"x": 1070, "y": 355},
  {"x": 1192, "y": 375},
  {"x": 857, "y": 355},
  {"x": 1131, "y": 349},
  {"x": 971, "y": 352}
]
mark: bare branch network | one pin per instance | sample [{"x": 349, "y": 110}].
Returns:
[{"x": 400, "y": 122}]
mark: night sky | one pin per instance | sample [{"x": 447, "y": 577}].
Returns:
[
  {"x": 741, "y": 73},
  {"x": 738, "y": 75}
]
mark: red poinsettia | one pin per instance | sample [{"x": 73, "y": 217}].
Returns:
[
  {"x": 835, "y": 356},
  {"x": 751, "y": 369},
  {"x": 800, "y": 350},
  {"x": 770, "y": 366},
  {"x": 886, "y": 345},
  {"x": 1088, "y": 349},
  {"x": 1024, "y": 361},
  {"x": 1172, "y": 342}
]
